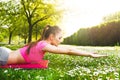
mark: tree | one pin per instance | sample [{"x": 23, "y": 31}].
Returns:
[
  {"x": 25, "y": 16},
  {"x": 10, "y": 16},
  {"x": 112, "y": 17},
  {"x": 36, "y": 11},
  {"x": 2, "y": 34},
  {"x": 22, "y": 31}
]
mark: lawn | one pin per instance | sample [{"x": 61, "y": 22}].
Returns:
[{"x": 65, "y": 67}]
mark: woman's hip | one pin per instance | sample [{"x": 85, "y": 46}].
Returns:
[{"x": 4, "y": 54}]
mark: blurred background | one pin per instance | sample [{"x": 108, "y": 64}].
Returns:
[{"x": 85, "y": 23}]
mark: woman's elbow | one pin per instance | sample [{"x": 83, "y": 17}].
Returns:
[{"x": 69, "y": 51}]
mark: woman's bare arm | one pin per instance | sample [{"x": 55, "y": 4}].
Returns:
[{"x": 69, "y": 51}]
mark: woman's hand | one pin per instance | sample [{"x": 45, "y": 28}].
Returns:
[{"x": 97, "y": 55}]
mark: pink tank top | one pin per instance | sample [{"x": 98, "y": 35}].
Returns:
[{"x": 36, "y": 53}]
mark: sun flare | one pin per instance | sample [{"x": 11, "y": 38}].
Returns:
[{"x": 85, "y": 13}]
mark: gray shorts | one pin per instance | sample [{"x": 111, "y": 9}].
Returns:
[{"x": 4, "y": 53}]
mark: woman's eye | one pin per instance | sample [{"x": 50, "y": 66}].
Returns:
[{"x": 60, "y": 37}]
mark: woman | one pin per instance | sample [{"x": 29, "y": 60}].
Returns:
[{"x": 34, "y": 52}]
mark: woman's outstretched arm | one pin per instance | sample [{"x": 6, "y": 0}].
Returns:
[{"x": 70, "y": 51}]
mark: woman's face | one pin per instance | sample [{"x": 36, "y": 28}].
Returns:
[{"x": 57, "y": 39}]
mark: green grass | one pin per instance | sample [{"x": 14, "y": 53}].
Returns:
[{"x": 65, "y": 67}]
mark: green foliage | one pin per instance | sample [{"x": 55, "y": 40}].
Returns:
[
  {"x": 2, "y": 34},
  {"x": 1, "y": 38},
  {"x": 10, "y": 16},
  {"x": 81, "y": 37},
  {"x": 38, "y": 11},
  {"x": 13, "y": 47},
  {"x": 22, "y": 16},
  {"x": 106, "y": 34},
  {"x": 65, "y": 67},
  {"x": 112, "y": 17}
]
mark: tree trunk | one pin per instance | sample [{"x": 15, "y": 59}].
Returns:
[
  {"x": 25, "y": 40},
  {"x": 10, "y": 37},
  {"x": 36, "y": 33},
  {"x": 30, "y": 34}
]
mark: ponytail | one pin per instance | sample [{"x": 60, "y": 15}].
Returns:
[{"x": 44, "y": 31}]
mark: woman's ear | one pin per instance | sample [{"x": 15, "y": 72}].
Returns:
[{"x": 51, "y": 37}]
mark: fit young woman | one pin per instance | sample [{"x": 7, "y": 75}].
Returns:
[{"x": 34, "y": 52}]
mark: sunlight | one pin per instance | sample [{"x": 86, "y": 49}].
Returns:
[
  {"x": 4, "y": 0},
  {"x": 85, "y": 13}
]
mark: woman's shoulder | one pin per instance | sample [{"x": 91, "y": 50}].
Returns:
[{"x": 42, "y": 43}]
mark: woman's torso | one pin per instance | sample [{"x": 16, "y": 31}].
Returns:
[
  {"x": 35, "y": 54},
  {"x": 15, "y": 57},
  {"x": 20, "y": 56}
]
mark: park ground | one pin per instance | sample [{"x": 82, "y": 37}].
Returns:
[{"x": 66, "y": 67}]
